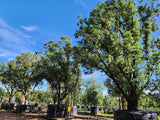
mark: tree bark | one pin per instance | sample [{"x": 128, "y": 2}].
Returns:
[{"x": 132, "y": 103}]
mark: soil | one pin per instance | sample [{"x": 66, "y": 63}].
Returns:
[{"x": 10, "y": 115}]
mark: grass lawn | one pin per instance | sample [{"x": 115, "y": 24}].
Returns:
[
  {"x": 108, "y": 115},
  {"x": 83, "y": 111},
  {"x": 158, "y": 117}
]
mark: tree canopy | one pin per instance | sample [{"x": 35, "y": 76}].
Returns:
[
  {"x": 59, "y": 67},
  {"x": 25, "y": 65},
  {"x": 117, "y": 39}
]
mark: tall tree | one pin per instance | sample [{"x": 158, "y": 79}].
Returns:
[
  {"x": 59, "y": 67},
  {"x": 25, "y": 65},
  {"x": 116, "y": 39}
]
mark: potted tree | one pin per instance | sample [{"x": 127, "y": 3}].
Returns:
[
  {"x": 61, "y": 70},
  {"x": 117, "y": 40}
]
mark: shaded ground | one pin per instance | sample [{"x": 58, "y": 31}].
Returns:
[{"x": 8, "y": 115}]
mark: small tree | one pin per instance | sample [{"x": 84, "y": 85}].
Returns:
[{"x": 116, "y": 39}]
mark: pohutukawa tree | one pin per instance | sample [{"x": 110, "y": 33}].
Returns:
[
  {"x": 117, "y": 39},
  {"x": 59, "y": 67}
]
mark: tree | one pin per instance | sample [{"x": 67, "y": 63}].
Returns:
[
  {"x": 110, "y": 102},
  {"x": 1, "y": 94},
  {"x": 41, "y": 96},
  {"x": 93, "y": 92},
  {"x": 117, "y": 40},
  {"x": 114, "y": 92},
  {"x": 59, "y": 67},
  {"x": 8, "y": 78},
  {"x": 25, "y": 65}
]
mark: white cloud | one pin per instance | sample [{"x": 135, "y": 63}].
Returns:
[
  {"x": 4, "y": 53},
  {"x": 30, "y": 28},
  {"x": 81, "y": 2},
  {"x": 13, "y": 41}
]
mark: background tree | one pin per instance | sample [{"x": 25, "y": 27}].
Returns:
[
  {"x": 8, "y": 78},
  {"x": 59, "y": 67},
  {"x": 25, "y": 65},
  {"x": 116, "y": 39},
  {"x": 93, "y": 92},
  {"x": 113, "y": 91},
  {"x": 1, "y": 94},
  {"x": 110, "y": 102},
  {"x": 41, "y": 96},
  {"x": 74, "y": 98}
]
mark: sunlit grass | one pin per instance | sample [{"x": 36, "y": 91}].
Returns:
[
  {"x": 158, "y": 117},
  {"x": 83, "y": 111},
  {"x": 108, "y": 115}
]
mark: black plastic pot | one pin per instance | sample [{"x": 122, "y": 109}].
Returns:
[
  {"x": 110, "y": 111},
  {"x": 100, "y": 109},
  {"x": 11, "y": 106},
  {"x": 59, "y": 111},
  {"x": 78, "y": 107},
  {"x": 134, "y": 115},
  {"x": 94, "y": 110},
  {"x": 82, "y": 107},
  {"x": 8, "y": 106},
  {"x": 21, "y": 108}
]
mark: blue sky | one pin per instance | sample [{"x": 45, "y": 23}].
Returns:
[{"x": 25, "y": 25}]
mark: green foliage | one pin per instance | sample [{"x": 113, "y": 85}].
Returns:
[
  {"x": 110, "y": 102},
  {"x": 1, "y": 94},
  {"x": 93, "y": 92},
  {"x": 18, "y": 97},
  {"x": 8, "y": 77},
  {"x": 146, "y": 102},
  {"x": 59, "y": 67},
  {"x": 116, "y": 39},
  {"x": 25, "y": 65},
  {"x": 41, "y": 96}
]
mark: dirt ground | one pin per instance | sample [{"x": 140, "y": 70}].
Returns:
[{"x": 9, "y": 115}]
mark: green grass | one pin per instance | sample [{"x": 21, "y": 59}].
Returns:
[
  {"x": 108, "y": 115},
  {"x": 158, "y": 117},
  {"x": 84, "y": 111}
]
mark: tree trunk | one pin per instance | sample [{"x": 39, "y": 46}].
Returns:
[
  {"x": 132, "y": 103},
  {"x": 10, "y": 97},
  {"x": 120, "y": 106},
  {"x": 71, "y": 99},
  {"x": 25, "y": 99}
]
